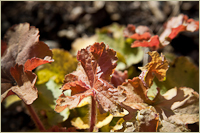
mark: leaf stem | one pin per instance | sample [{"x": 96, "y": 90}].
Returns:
[
  {"x": 35, "y": 118},
  {"x": 146, "y": 56},
  {"x": 93, "y": 114}
]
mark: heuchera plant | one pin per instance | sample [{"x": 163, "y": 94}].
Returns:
[{"x": 95, "y": 76}]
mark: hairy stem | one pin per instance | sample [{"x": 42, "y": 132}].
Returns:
[
  {"x": 146, "y": 56},
  {"x": 93, "y": 114},
  {"x": 35, "y": 118}
]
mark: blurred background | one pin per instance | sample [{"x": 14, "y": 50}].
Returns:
[
  {"x": 63, "y": 22},
  {"x": 60, "y": 23}
]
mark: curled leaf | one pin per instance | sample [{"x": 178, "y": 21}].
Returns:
[
  {"x": 157, "y": 67},
  {"x": 176, "y": 25}
]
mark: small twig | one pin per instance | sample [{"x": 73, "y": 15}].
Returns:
[{"x": 35, "y": 118}]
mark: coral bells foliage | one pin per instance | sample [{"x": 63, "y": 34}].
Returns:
[
  {"x": 23, "y": 52},
  {"x": 139, "y": 33},
  {"x": 92, "y": 78},
  {"x": 157, "y": 67},
  {"x": 171, "y": 29}
]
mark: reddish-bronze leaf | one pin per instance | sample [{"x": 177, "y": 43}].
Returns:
[
  {"x": 176, "y": 31},
  {"x": 133, "y": 93},
  {"x": 144, "y": 36},
  {"x": 176, "y": 25},
  {"x": 139, "y": 33},
  {"x": 34, "y": 62},
  {"x": 152, "y": 43},
  {"x": 91, "y": 78},
  {"x": 24, "y": 53},
  {"x": 119, "y": 77},
  {"x": 157, "y": 67},
  {"x": 25, "y": 84},
  {"x": 23, "y": 44}
]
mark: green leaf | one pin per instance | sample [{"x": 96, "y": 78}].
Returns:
[
  {"x": 181, "y": 73},
  {"x": 113, "y": 36},
  {"x": 63, "y": 64},
  {"x": 46, "y": 102}
]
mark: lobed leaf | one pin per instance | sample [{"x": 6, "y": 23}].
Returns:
[
  {"x": 182, "y": 73},
  {"x": 176, "y": 25},
  {"x": 157, "y": 67},
  {"x": 24, "y": 53},
  {"x": 91, "y": 78}
]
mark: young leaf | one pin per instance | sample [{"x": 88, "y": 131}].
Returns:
[
  {"x": 92, "y": 77},
  {"x": 176, "y": 25},
  {"x": 139, "y": 33},
  {"x": 153, "y": 43},
  {"x": 24, "y": 53},
  {"x": 157, "y": 67}
]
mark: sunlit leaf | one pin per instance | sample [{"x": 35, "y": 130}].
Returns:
[
  {"x": 158, "y": 67},
  {"x": 182, "y": 73},
  {"x": 177, "y": 108},
  {"x": 92, "y": 77}
]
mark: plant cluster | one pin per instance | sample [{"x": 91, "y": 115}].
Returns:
[{"x": 100, "y": 90}]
